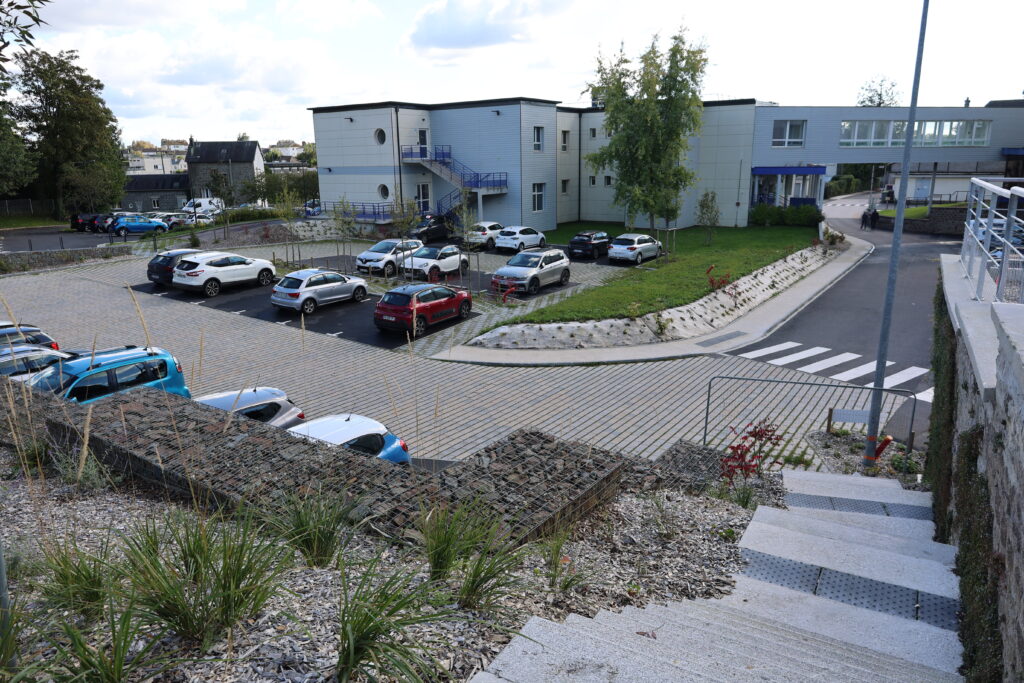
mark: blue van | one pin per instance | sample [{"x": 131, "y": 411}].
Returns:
[{"x": 89, "y": 376}]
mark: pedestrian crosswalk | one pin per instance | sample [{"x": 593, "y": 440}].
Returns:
[{"x": 838, "y": 365}]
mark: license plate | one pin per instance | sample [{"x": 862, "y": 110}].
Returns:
[
  {"x": 153, "y": 278},
  {"x": 388, "y": 317}
]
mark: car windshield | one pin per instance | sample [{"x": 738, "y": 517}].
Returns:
[
  {"x": 395, "y": 299},
  {"x": 622, "y": 241},
  {"x": 384, "y": 247},
  {"x": 52, "y": 379},
  {"x": 30, "y": 363},
  {"x": 426, "y": 252},
  {"x": 289, "y": 283},
  {"x": 582, "y": 238},
  {"x": 508, "y": 233},
  {"x": 480, "y": 228},
  {"x": 525, "y": 260},
  {"x": 187, "y": 265}
]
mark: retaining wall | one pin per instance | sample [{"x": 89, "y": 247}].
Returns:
[
  {"x": 17, "y": 261},
  {"x": 942, "y": 221}
]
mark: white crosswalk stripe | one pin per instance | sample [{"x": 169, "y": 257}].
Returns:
[
  {"x": 927, "y": 395},
  {"x": 799, "y": 355},
  {"x": 770, "y": 350},
  {"x": 829, "y": 362},
  {"x": 901, "y": 377},
  {"x": 859, "y": 371}
]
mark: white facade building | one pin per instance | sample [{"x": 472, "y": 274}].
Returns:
[
  {"x": 156, "y": 163},
  {"x": 523, "y": 160}
]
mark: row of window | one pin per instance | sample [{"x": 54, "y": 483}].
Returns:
[
  {"x": 538, "y": 190},
  {"x": 890, "y": 133},
  {"x": 538, "y": 138}
]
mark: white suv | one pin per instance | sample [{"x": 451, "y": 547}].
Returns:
[
  {"x": 519, "y": 237},
  {"x": 383, "y": 257},
  {"x": 208, "y": 271}
]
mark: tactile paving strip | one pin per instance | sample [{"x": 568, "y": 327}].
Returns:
[
  {"x": 806, "y": 500},
  {"x": 799, "y": 576},
  {"x": 868, "y": 593},
  {"x": 868, "y": 507},
  {"x": 721, "y": 338},
  {"x": 938, "y": 610},
  {"x": 909, "y": 511}
]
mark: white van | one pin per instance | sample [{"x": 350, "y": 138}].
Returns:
[{"x": 205, "y": 204}]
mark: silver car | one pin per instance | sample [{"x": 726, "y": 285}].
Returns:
[
  {"x": 634, "y": 247},
  {"x": 528, "y": 271},
  {"x": 263, "y": 404},
  {"x": 21, "y": 361},
  {"x": 307, "y": 290}
]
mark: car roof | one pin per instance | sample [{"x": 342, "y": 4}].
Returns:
[
  {"x": 485, "y": 224},
  {"x": 107, "y": 356},
  {"x": 309, "y": 272},
  {"x": 207, "y": 255},
  {"x": 7, "y": 325},
  {"x": 248, "y": 396},
  {"x": 517, "y": 228},
  {"x": 338, "y": 429},
  {"x": 411, "y": 289},
  {"x": 178, "y": 252},
  {"x": 24, "y": 349},
  {"x": 589, "y": 232},
  {"x": 631, "y": 235}
]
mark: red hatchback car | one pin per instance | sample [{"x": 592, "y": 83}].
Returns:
[{"x": 412, "y": 308}]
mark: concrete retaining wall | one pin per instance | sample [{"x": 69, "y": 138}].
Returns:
[
  {"x": 942, "y": 221},
  {"x": 17, "y": 261}
]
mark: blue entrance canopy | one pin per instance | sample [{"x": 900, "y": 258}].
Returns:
[
  {"x": 788, "y": 170},
  {"x": 1012, "y": 151}
]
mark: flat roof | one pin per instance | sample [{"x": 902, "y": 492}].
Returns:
[{"x": 431, "y": 107}]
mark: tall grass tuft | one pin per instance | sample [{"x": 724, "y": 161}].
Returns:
[
  {"x": 376, "y": 609},
  {"x": 76, "y": 580},
  {"x": 450, "y": 535},
  {"x": 314, "y": 524},
  {"x": 490, "y": 574},
  {"x": 202, "y": 575},
  {"x": 11, "y": 626}
]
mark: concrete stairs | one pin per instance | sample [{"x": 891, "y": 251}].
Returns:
[{"x": 854, "y": 591}]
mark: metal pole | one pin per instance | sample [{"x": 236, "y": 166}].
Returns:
[
  {"x": 1011, "y": 212},
  {"x": 870, "y": 458}
]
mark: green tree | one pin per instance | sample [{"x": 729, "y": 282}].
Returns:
[
  {"x": 222, "y": 188},
  {"x": 17, "y": 19},
  {"x": 272, "y": 155},
  {"x": 242, "y": 137},
  {"x": 308, "y": 154},
  {"x": 17, "y": 167},
  {"x": 254, "y": 190},
  {"x": 405, "y": 216},
  {"x": 878, "y": 92},
  {"x": 306, "y": 184},
  {"x": 68, "y": 126},
  {"x": 708, "y": 215},
  {"x": 650, "y": 110}
]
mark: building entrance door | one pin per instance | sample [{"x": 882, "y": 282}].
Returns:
[
  {"x": 921, "y": 187},
  {"x": 423, "y": 197}
]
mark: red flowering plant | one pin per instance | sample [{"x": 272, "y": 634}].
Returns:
[
  {"x": 747, "y": 456},
  {"x": 717, "y": 283}
]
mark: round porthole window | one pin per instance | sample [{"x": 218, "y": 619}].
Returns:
[
  {"x": 380, "y": 136},
  {"x": 382, "y": 190}
]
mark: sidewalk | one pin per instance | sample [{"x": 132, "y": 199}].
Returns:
[{"x": 755, "y": 325}]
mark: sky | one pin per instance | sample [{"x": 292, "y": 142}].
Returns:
[{"x": 214, "y": 68}]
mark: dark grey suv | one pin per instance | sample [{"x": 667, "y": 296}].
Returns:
[{"x": 161, "y": 267}]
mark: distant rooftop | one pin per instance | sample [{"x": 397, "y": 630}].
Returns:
[{"x": 236, "y": 151}]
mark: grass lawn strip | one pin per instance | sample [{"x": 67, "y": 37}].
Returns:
[{"x": 921, "y": 211}]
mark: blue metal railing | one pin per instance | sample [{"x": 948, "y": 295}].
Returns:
[
  {"x": 363, "y": 211},
  {"x": 448, "y": 202},
  {"x": 467, "y": 177}
]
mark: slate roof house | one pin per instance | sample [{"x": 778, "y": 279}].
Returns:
[
  {"x": 156, "y": 192},
  {"x": 239, "y": 160}
]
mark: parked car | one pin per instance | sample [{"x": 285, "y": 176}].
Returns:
[
  {"x": 197, "y": 219},
  {"x": 356, "y": 433},
  {"x": 433, "y": 262},
  {"x": 202, "y": 205},
  {"x": 307, "y": 290},
  {"x": 383, "y": 257},
  {"x": 175, "y": 220},
  {"x": 592, "y": 243},
  {"x": 123, "y": 225},
  {"x": 633, "y": 247},
  {"x": 14, "y": 333},
  {"x": 91, "y": 376},
  {"x": 161, "y": 267},
  {"x": 80, "y": 222},
  {"x": 209, "y": 271},
  {"x": 263, "y": 404},
  {"x": 528, "y": 271},
  {"x": 412, "y": 308},
  {"x": 99, "y": 222},
  {"x": 485, "y": 233},
  {"x": 21, "y": 361},
  {"x": 519, "y": 237},
  {"x": 432, "y": 228}
]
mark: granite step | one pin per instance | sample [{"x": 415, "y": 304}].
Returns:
[
  {"x": 811, "y": 483},
  {"x": 790, "y": 475},
  {"x": 918, "y": 529}
]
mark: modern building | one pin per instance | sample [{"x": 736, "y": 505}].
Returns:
[{"x": 523, "y": 160}]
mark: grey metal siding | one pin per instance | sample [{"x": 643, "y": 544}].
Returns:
[{"x": 539, "y": 166}]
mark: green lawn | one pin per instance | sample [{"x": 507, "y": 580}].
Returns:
[
  {"x": 920, "y": 211},
  {"x": 681, "y": 279},
  {"x": 13, "y": 222}
]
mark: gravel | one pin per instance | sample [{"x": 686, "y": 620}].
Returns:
[{"x": 842, "y": 453}]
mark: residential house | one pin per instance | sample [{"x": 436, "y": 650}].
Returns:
[{"x": 240, "y": 161}]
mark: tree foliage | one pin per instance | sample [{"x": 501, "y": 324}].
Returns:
[
  {"x": 651, "y": 108},
  {"x": 308, "y": 154},
  {"x": 708, "y": 214},
  {"x": 17, "y": 166},
  {"x": 271, "y": 187},
  {"x": 879, "y": 92},
  {"x": 17, "y": 20},
  {"x": 242, "y": 137},
  {"x": 222, "y": 187},
  {"x": 70, "y": 131}
]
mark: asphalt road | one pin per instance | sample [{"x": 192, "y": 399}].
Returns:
[{"x": 846, "y": 319}]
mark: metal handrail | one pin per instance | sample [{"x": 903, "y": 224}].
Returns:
[
  {"x": 449, "y": 201},
  {"x": 988, "y": 241},
  {"x": 467, "y": 177}
]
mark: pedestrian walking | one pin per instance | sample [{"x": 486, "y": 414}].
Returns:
[
  {"x": 874, "y": 219},
  {"x": 864, "y": 218}
]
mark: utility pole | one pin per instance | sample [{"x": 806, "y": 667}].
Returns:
[{"x": 870, "y": 458}]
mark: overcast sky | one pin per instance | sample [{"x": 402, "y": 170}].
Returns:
[{"x": 214, "y": 68}]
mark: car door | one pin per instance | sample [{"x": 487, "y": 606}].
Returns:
[
  {"x": 547, "y": 273},
  {"x": 446, "y": 300},
  {"x": 448, "y": 259},
  {"x": 246, "y": 268},
  {"x": 91, "y": 387},
  {"x": 426, "y": 306},
  {"x": 317, "y": 288},
  {"x": 341, "y": 287},
  {"x": 222, "y": 269},
  {"x": 601, "y": 242},
  {"x": 531, "y": 237}
]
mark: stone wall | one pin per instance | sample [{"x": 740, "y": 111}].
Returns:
[
  {"x": 986, "y": 465},
  {"x": 942, "y": 221},
  {"x": 17, "y": 261},
  {"x": 533, "y": 480}
]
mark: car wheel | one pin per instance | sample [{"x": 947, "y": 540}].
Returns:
[
  {"x": 211, "y": 288},
  {"x": 639, "y": 258},
  {"x": 464, "y": 309},
  {"x": 490, "y": 245},
  {"x": 543, "y": 243},
  {"x": 265, "y": 278},
  {"x": 389, "y": 270},
  {"x": 520, "y": 247},
  {"x": 464, "y": 267},
  {"x": 419, "y": 327},
  {"x": 593, "y": 253},
  {"x": 160, "y": 229},
  {"x": 309, "y": 306},
  {"x": 121, "y": 232},
  {"x": 564, "y": 280},
  {"x": 533, "y": 287},
  {"x": 359, "y": 294}
]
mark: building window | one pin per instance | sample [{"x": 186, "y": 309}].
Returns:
[
  {"x": 156, "y": 203},
  {"x": 383, "y": 191},
  {"x": 607, "y": 181},
  {"x": 380, "y": 136},
  {"x": 538, "y": 196},
  {"x": 788, "y": 133},
  {"x": 565, "y": 186},
  {"x": 565, "y": 141},
  {"x": 593, "y": 132},
  {"x": 538, "y": 138},
  {"x": 593, "y": 180},
  {"x": 926, "y": 133}
]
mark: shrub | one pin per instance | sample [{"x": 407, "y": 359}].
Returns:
[
  {"x": 243, "y": 215},
  {"x": 804, "y": 215},
  {"x": 450, "y": 535},
  {"x": 77, "y": 580},
  {"x": 201, "y": 576},
  {"x": 313, "y": 525},
  {"x": 193, "y": 239},
  {"x": 488, "y": 575},
  {"x": 765, "y": 215}
]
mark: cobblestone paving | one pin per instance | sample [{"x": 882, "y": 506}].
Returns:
[{"x": 445, "y": 410}]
